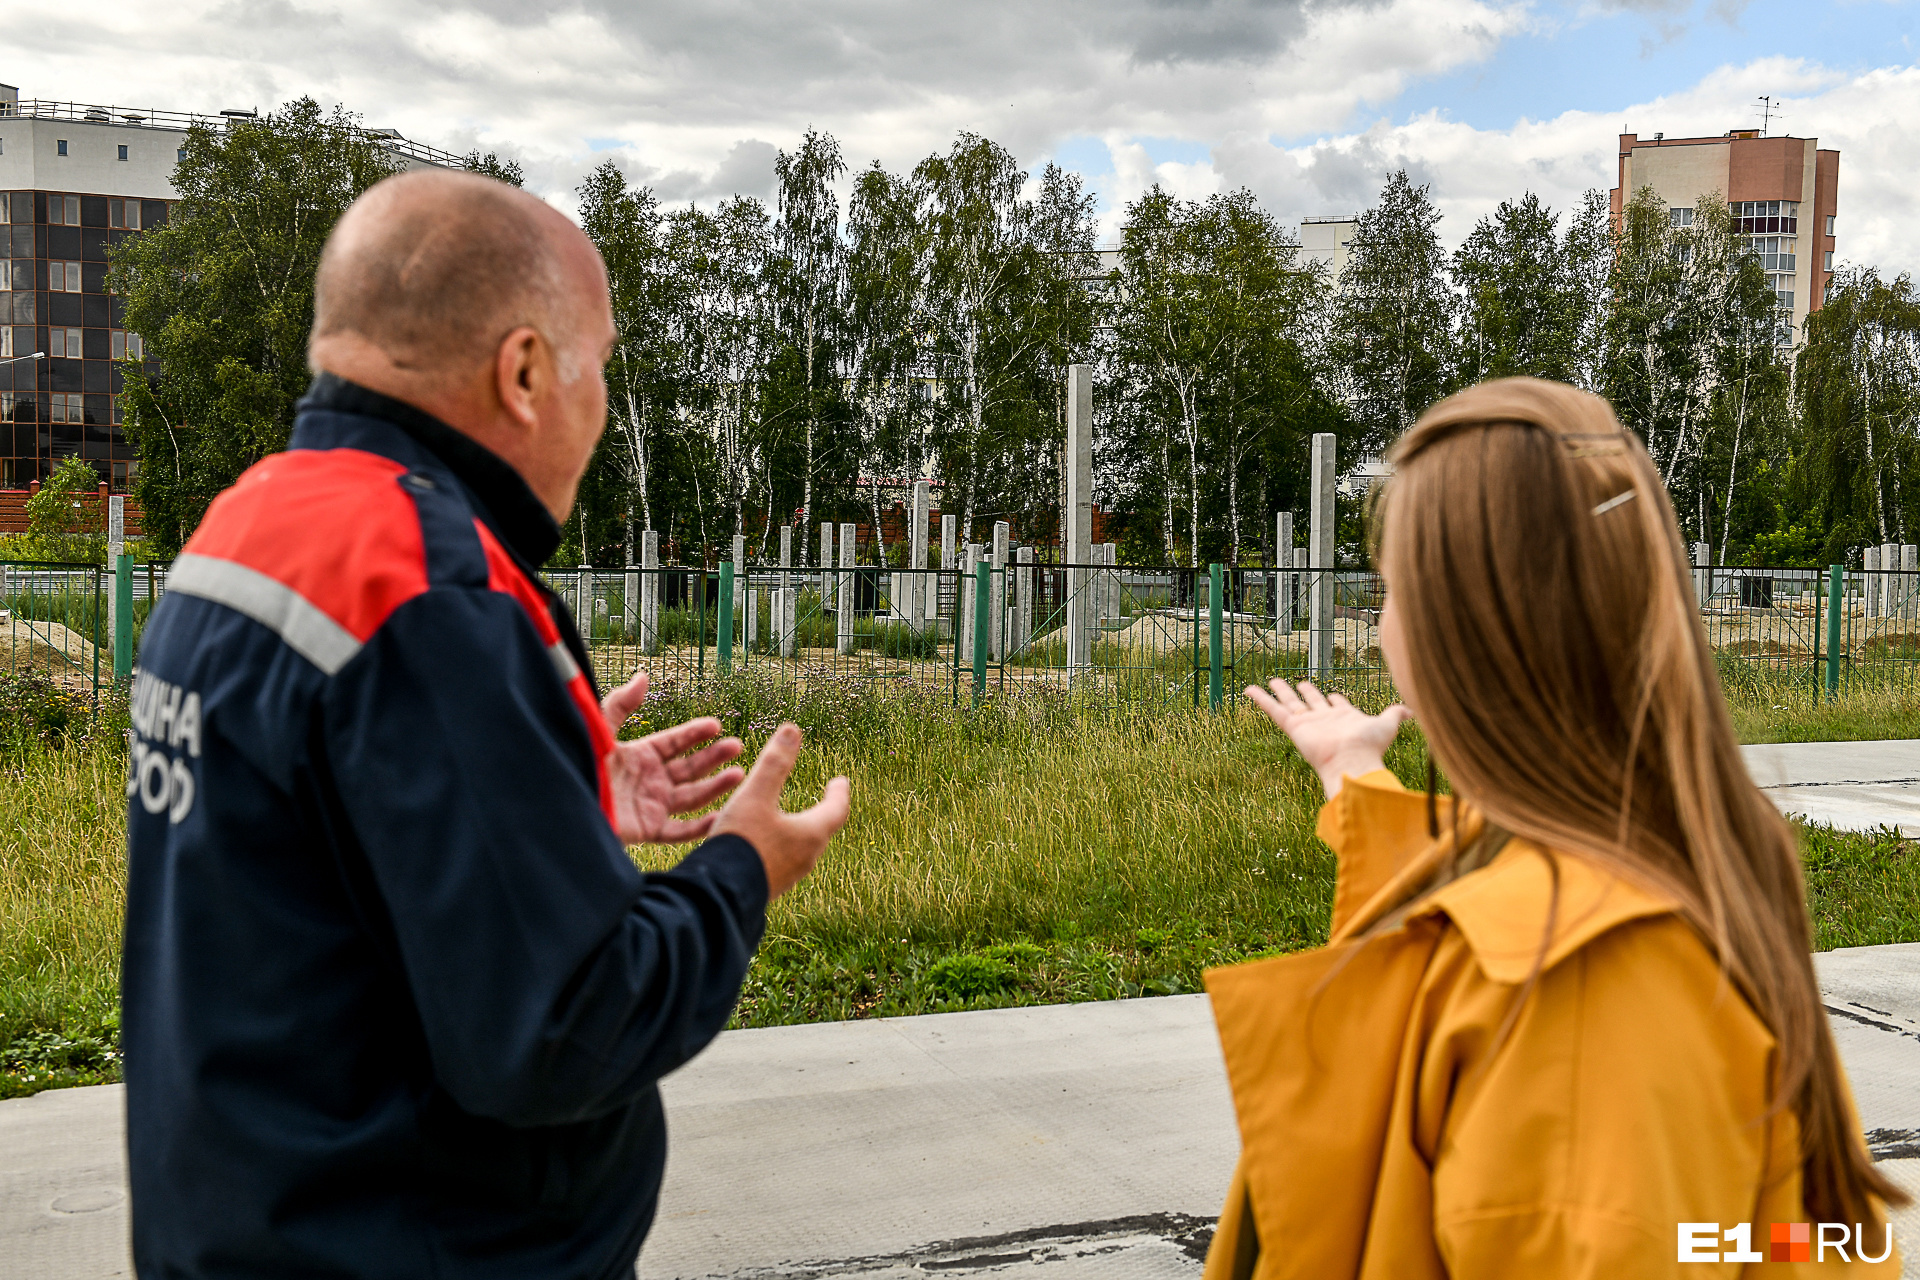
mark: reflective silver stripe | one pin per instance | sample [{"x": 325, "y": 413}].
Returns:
[
  {"x": 563, "y": 661},
  {"x": 295, "y": 619}
]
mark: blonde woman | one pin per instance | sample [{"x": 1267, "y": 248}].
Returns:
[{"x": 1568, "y": 1027}]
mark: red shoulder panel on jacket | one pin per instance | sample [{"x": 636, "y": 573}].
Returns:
[{"x": 332, "y": 524}]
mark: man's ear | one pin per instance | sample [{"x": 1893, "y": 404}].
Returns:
[{"x": 521, "y": 366}]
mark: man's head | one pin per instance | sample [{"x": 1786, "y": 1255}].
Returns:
[{"x": 479, "y": 304}]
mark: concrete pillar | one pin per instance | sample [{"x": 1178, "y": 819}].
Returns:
[
  {"x": 1889, "y": 584},
  {"x": 997, "y": 605},
  {"x": 630, "y": 605},
  {"x": 827, "y": 604},
  {"x": 1909, "y": 586},
  {"x": 739, "y": 576},
  {"x": 756, "y": 597},
  {"x": 1320, "y": 553},
  {"x": 650, "y": 591},
  {"x": 1022, "y": 628},
  {"x": 783, "y": 596},
  {"x": 949, "y": 526},
  {"x": 1869, "y": 580},
  {"x": 844, "y": 593},
  {"x": 917, "y": 610},
  {"x": 583, "y": 602},
  {"x": 116, "y": 547},
  {"x": 1702, "y": 580},
  {"x": 1297, "y": 585},
  {"x": 1281, "y": 606},
  {"x": 963, "y": 602},
  {"x": 1079, "y": 512}
]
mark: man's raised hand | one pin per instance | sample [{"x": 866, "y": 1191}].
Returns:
[
  {"x": 788, "y": 843},
  {"x": 1334, "y": 736},
  {"x": 654, "y": 778}
]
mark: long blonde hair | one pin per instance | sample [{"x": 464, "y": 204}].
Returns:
[{"x": 1565, "y": 683}]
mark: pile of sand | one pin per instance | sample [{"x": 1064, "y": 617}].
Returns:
[{"x": 46, "y": 646}]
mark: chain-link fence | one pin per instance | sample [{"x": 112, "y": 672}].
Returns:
[{"x": 1088, "y": 632}]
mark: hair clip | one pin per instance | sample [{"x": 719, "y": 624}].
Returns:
[
  {"x": 1592, "y": 444},
  {"x": 1619, "y": 499}
]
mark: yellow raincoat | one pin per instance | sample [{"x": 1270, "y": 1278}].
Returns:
[{"x": 1384, "y": 1137}]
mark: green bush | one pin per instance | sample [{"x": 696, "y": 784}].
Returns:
[
  {"x": 39, "y": 713},
  {"x": 970, "y": 974}
]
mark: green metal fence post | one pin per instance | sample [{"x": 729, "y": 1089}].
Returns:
[
  {"x": 725, "y": 627},
  {"x": 1836, "y": 577},
  {"x": 982, "y": 581},
  {"x": 123, "y": 619},
  {"x": 700, "y": 621},
  {"x": 1214, "y": 690}
]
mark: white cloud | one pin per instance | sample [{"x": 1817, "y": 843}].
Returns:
[
  {"x": 682, "y": 85},
  {"x": 694, "y": 97},
  {"x": 1471, "y": 170}
]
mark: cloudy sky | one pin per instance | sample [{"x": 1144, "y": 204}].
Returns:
[{"x": 1308, "y": 102}]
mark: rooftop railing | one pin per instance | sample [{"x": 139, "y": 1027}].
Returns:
[{"x": 145, "y": 118}]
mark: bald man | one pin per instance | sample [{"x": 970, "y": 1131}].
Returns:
[{"x": 395, "y": 997}]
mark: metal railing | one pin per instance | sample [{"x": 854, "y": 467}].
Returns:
[
  {"x": 179, "y": 121},
  {"x": 1087, "y": 633}
]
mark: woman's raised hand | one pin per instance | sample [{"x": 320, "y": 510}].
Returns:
[{"x": 1334, "y": 736}]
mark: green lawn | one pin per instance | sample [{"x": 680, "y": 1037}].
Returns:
[{"x": 1019, "y": 855}]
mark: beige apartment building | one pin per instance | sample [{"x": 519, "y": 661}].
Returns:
[{"x": 1782, "y": 192}]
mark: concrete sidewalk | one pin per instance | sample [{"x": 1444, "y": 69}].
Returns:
[
  {"x": 1073, "y": 1141},
  {"x": 1856, "y": 786}
]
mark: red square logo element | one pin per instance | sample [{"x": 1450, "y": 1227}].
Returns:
[{"x": 1790, "y": 1242}]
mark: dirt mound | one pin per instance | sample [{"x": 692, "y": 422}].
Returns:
[{"x": 46, "y": 646}]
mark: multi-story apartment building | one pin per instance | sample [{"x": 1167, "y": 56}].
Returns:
[
  {"x": 74, "y": 180},
  {"x": 1328, "y": 240},
  {"x": 1781, "y": 191}
]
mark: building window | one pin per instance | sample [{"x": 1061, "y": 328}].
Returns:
[
  {"x": 126, "y": 346},
  {"x": 64, "y": 210},
  {"x": 123, "y": 151},
  {"x": 67, "y": 408},
  {"x": 1829, "y": 224},
  {"x": 6, "y": 343},
  {"x": 60, "y": 145},
  {"x": 1775, "y": 252},
  {"x": 1765, "y": 217},
  {"x": 63, "y": 277},
  {"x": 64, "y": 344},
  {"x": 181, "y": 155},
  {"x": 124, "y": 213},
  {"x": 1828, "y": 264},
  {"x": 1680, "y": 217},
  {"x": 6, "y": 273}
]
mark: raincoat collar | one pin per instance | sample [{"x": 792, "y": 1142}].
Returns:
[{"x": 1506, "y": 910}]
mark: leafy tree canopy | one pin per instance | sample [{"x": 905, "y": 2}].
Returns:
[{"x": 223, "y": 294}]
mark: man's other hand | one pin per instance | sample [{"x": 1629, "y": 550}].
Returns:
[
  {"x": 654, "y": 778},
  {"x": 788, "y": 843}
]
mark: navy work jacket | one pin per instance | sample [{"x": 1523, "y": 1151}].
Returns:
[{"x": 395, "y": 997}]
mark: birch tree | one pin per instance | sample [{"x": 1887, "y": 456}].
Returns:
[
  {"x": 1858, "y": 393},
  {"x": 646, "y": 366},
  {"x": 1394, "y": 315},
  {"x": 808, "y": 268}
]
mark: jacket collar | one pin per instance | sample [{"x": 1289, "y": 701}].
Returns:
[
  {"x": 509, "y": 507},
  {"x": 1526, "y": 897}
]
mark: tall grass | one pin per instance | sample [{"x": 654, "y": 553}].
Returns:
[{"x": 1028, "y": 850}]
